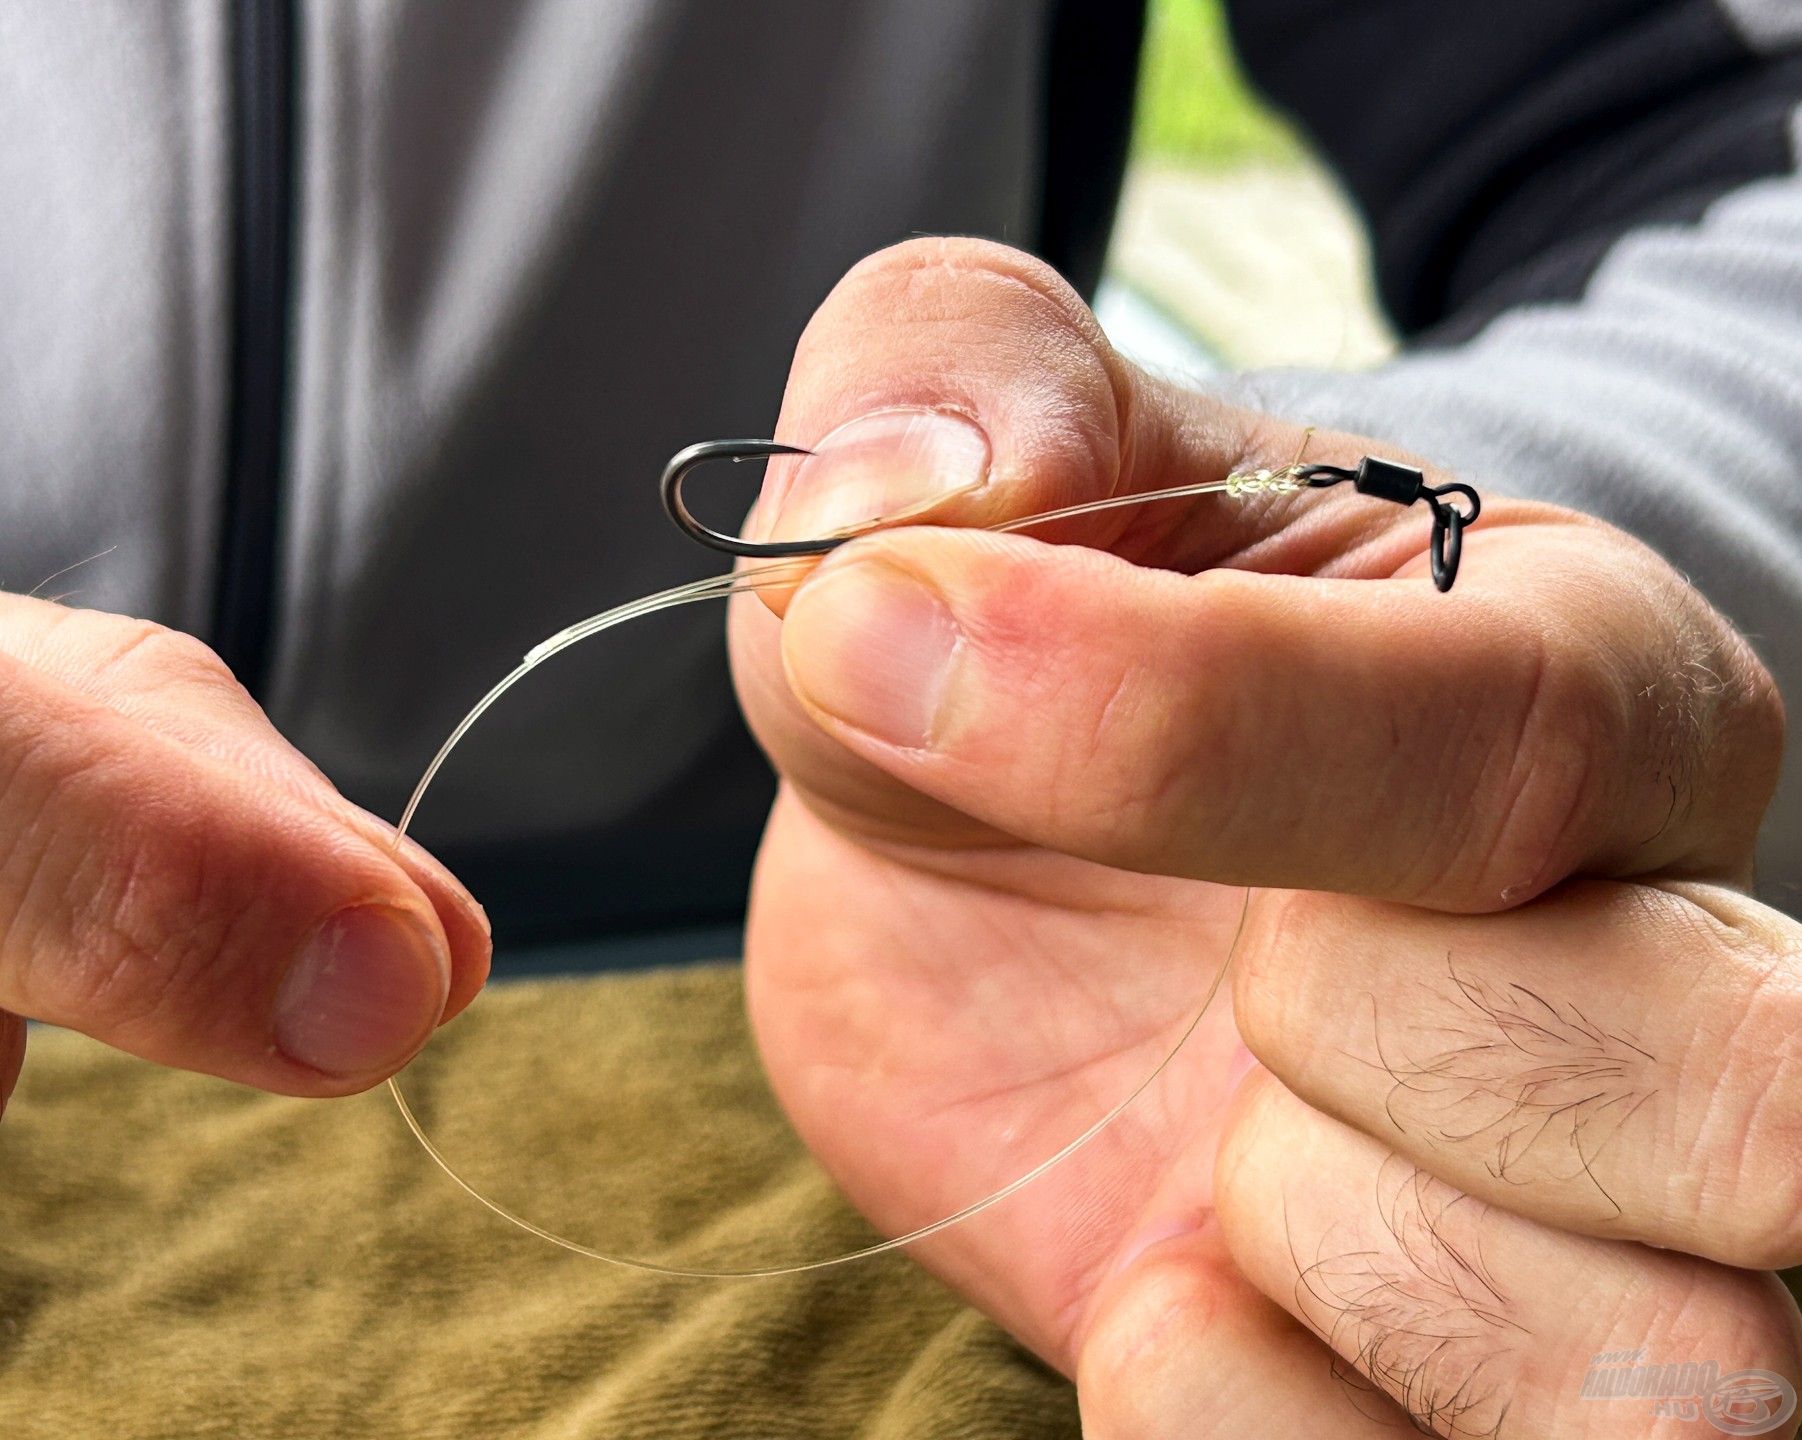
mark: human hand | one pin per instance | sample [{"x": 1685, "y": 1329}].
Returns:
[
  {"x": 178, "y": 881},
  {"x": 1533, "y": 1084}
]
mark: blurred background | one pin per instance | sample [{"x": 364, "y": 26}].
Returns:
[{"x": 1233, "y": 248}]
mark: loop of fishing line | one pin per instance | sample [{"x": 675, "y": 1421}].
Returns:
[{"x": 1382, "y": 479}]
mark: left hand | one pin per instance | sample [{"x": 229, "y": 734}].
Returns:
[{"x": 1529, "y": 1084}]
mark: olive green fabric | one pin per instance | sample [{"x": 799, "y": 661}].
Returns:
[{"x": 181, "y": 1257}]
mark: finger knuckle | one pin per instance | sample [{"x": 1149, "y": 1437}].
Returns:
[
  {"x": 41, "y": 861},
  {"x": 1745, "y": 1185},
  {"x": 1268, "y": 988},
  {"x": 156, "y": 657},
  {"x": 1073, "y": 734},
  {"x": 1711, "y": 683},
  {"x": 1694, "y": 1311},
  {"x": 1145, "y": 1348},
  {"x": 102, "y": 843},
  {"x": 1704, "y": 739},
  {"x": 1538, "y": 782},
  {"x": 1147, "y": 767},
  {"x": 1744, "y": 744},
  {"x": 1242, "y": 1190},
  {"x": 1101, "y": 785},
  {"x": 141, "y": 923},
  {"x": 1760, "y": 703}
]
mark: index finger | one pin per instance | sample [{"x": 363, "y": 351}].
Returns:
[{"x": 1464, "y": 751}]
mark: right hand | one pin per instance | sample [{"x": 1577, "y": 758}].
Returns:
[
  {"x": 1528, "y": 1086},
  {"x": 178, "y": 881}
]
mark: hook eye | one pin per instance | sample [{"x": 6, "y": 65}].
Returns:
[
  {"x": 695, "y": 456},
  {"x": 1438, "y": 494}
]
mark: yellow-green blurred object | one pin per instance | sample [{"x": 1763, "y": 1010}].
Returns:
[
  {"x": 1194, "y": 105},
  {"x": 185, "y": 1259}
]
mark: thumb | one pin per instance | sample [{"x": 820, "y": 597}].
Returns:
[
  {"x": 963, "y": 383},
  {"x": 168, "y": 887},
  {"x": 960, "y": 382}
]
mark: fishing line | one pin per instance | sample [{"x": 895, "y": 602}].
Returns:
[{"x": 788, "y": 568}]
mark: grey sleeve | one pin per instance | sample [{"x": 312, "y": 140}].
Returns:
[{"x": 1641, "y": 362}]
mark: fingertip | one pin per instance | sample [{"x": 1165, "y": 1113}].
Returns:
[
  {"x": 468, "y": 935},
  {"x": 1157, "y": 1274},
  {"x": 1255, "y": 1093},
  {"x": 472, "y": 961},
  {"x": 1160, "y": 1331}
]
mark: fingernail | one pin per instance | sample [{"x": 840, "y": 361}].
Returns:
[
  {"x": 363, "y": 993},
  {"x": 873, "y": 647},
  {"x": 876, "y": 467}
]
